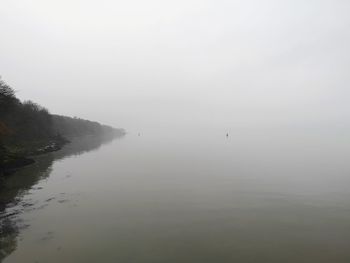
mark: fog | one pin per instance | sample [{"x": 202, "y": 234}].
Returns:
[
  {"x": 169, "y": 64},
  {"x": 237, "y": 116}
]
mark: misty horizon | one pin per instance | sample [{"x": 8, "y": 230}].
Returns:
[{"x": 162, "y": 63}]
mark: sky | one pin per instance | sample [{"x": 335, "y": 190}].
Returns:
[{"x": 137, "y": 64}]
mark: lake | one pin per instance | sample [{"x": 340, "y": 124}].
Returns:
[{"x": 184, "y": 196}]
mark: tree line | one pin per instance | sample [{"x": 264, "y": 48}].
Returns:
[{"x": 26, "y": 126}]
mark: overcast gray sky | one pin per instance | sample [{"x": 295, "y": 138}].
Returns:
[{"x": 164, "y": 63}]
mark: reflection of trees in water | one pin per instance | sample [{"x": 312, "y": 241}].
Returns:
[
  {"x": 84, "y": 144},
  {"x": 8, "y": 234},
  {"x": 13, "y": 187}
]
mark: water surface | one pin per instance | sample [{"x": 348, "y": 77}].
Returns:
[{"x": 184, "y": 197}]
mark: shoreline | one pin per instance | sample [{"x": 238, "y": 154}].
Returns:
[
  {"x": 17, "y": 161},
  {"x": 11, "y": 162}
]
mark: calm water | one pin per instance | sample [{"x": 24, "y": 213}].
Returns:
[{"x": 184, "y": 197}]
